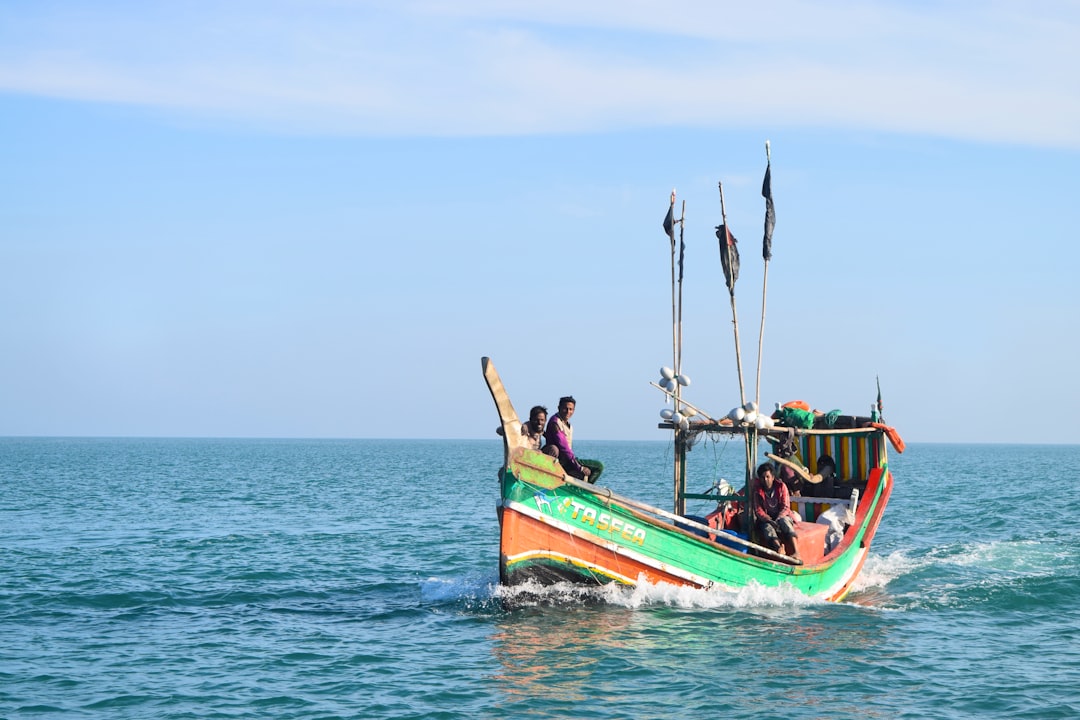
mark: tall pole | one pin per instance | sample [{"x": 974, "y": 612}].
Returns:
[
  {"x": 730, "y": 257},
  {"x": 678, "y": 354},
  {"x": 766, "y": 251},
  {"x": 674, "y": 316},
  {"x": 680, "y": 436},
  {"x": 676, "y": 351},
  {"x": 725, "y": 247}
]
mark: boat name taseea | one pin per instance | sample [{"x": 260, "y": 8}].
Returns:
[{"x": 603, "y": 521}]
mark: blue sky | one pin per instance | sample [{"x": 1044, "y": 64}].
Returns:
[{"x": 286, "y": 219}]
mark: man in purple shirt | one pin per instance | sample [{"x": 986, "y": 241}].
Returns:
[{"x": 560, "y": 434}]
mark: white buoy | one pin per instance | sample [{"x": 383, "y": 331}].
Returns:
[
  {"x": 750, "y": 418},
  {"x": 763, "y": 422},
  {"x": 668, "y": 384},
  {"x": 750, "y": 407},
  {"x": 688, "y": 412},
  {"x": 666, "y": 413},
  {"x": 677, "y": 418},
  {"x": 737, "y": 414},
  {"x": 683, "y": 380},
  {"x": 667, "y": 373},
  {"x": 684, "y": 424}
]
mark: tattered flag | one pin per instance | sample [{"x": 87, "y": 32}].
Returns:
[
  {"x": 880, "y": 409},
  {"x": 770, "y": 214},
  {"x": 729, "y": 255},
  {"x": 682, "y": 252},
  {"x": 669, "y": 222}
]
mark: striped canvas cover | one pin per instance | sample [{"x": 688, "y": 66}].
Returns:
[{"x": 855, "y": 455}]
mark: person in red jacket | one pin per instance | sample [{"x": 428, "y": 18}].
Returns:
[{"x": 773, "y": 518}]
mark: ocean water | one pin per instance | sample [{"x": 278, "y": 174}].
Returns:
[{"x": 146, "y": 578}]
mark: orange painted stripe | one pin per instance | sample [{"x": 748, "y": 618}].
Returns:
[{"x": 526, "y": 537}]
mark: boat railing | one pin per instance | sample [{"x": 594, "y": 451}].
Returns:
[
  {"x": 713, "y": 496},
  {"x": 811, "y": 500},
  {"x": 775, "y": 432},
  {"x": 801, "y": 501}
]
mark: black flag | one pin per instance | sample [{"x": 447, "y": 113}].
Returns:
[
  {"x": 880, "y": 410},
  {"x": 669, "y": 223},
  {"x": 770, "y": 214},
  {"x": 682, "y": 252},
  {"x": 729, "y": 255}
]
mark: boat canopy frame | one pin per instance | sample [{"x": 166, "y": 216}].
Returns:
[{"x": 853, "y": 459}]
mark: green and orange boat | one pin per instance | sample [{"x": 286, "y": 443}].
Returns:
[{"x": 556, "y": 528}]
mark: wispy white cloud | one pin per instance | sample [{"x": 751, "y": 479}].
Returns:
[{"x": 988, "y": 71}]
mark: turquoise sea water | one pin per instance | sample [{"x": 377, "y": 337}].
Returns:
[{"x": 146, "y": 578}]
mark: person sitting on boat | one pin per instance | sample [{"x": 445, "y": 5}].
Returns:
[
  {"x": 826, "y": 468},
  {"x": 533, "y": 430},
  {"x": 560, "y": 434},
  {"x": 794, "y": 484},
  {"x": 772, "y": 512},
  {"x": 791, "y": 479},
  {"x": 786, "y": 448}
]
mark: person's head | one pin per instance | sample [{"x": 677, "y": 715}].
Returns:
[
  {"x": 826, "y": 466},
  {"x": 538, "y": 415},
  {"x": 766, "y": 475},
  {"x": 566, "y": 407}
]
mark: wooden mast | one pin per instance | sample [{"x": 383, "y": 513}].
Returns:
[
  {"x": 725, "y": 247},
  {"x": 766, "y": 254},
  {"x": 680, "y": 434},
  {"x": 678, "y": 469}
]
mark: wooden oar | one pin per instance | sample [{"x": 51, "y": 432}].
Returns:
[{"x": 803, "y": 472}]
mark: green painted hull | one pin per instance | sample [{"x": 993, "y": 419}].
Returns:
[
  {"x": 554, "y": 528},
  {"x": 556, "y": 531}
]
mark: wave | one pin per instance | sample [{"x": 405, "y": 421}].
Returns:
[
  {"x": 481, "y": 587},
  {"x": 958, "y": 574},
  {"x": 484, "y": 592},
  {"x": 1000, "y": 573}
]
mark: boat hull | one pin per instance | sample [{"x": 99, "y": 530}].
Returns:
[
  {"x": 553, "y": 531},
  {"x": 557, "y": 529}
]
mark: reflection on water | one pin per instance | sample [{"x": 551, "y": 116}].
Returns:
[
  {"x": 705, "y": 646},
  {"x": 551, "y": 651}
]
